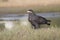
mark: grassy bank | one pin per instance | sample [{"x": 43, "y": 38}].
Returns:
[{"x": 38, "y": 9}]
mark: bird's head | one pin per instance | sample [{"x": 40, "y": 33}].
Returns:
[{"x": 30, "y": 11}]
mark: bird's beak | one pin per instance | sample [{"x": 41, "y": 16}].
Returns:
[{"x": 29, "y": 12}]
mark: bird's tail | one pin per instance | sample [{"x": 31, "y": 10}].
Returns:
[
  {"x": 49, "y": 20},
  {"x": 48, "y": 23}
]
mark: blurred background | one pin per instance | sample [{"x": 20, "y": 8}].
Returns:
[
  {"x": 14, "y": 24},
  {"x": 23, "y": 5}
]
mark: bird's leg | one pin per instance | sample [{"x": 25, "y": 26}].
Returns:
[{"x": 37, "y": 26}]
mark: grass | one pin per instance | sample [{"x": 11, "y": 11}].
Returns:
[
  {"x": 23, "y": 31},
  {"x": 27, "y": 33}
]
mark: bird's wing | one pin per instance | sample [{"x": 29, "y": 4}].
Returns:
[{"x": 41, "y": 17}]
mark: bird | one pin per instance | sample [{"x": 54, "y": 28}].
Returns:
[{"x": 36, "y": 20}]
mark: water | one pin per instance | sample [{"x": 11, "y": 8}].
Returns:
[{"x": 24, "y": 16}]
